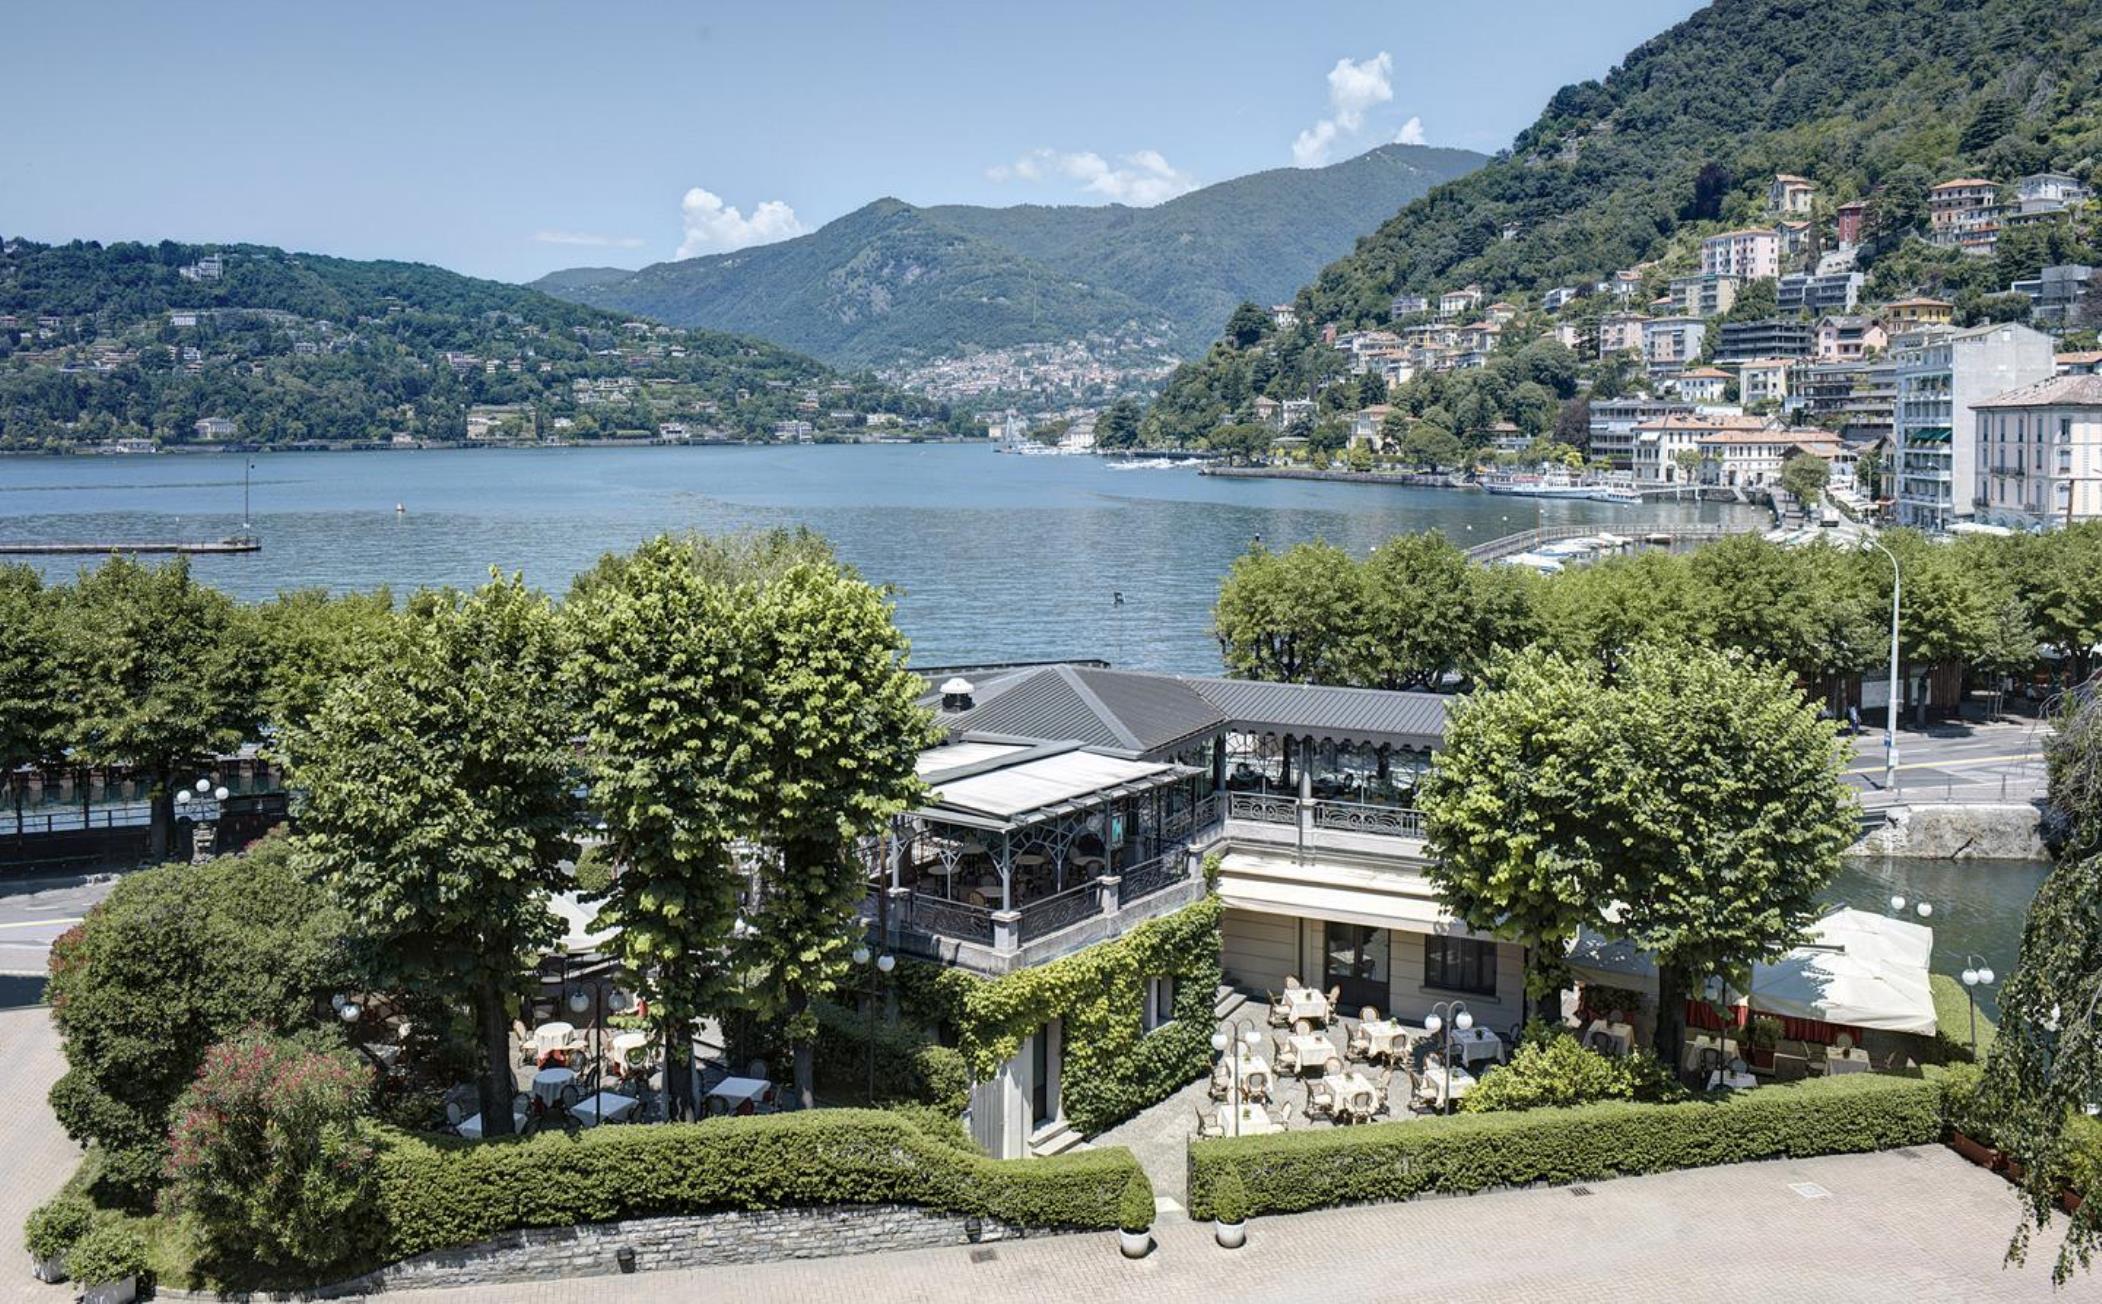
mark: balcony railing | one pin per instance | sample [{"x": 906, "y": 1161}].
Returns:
[
  {"x": 1262, "y": 808},
  {"x": 959, "y": 919},
  {"x": 1156, "y": 875},
  {"x": 1052, "y": 913},
  {"x": 1340, "y": 816}
]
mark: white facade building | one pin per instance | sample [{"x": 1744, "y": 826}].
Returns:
[
  {"x": 2039, "y": 454},
  {"x": 1942, "y": 375}
]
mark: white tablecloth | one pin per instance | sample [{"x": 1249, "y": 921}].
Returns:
[
  {"x": 554, "y": 1036},
  {"x": 1314, "y": 1051},
  {"x": 1734, "y": 1081},
  {"x": 1306, "y": 1003},
  {"x": 1854, "y": 1061},
  {"x": 1706, "y": 1042},
  {"x": 1256, "y": 1074},
  {"x": 632, "y": 1040},
  {"x": 735, "y": 1091},
  {"x": 1254, "y": 1120},
  {"x": 605, "y": 1107},
  {"x": 548, "y": 1084},
  {"x": 1354, "y": 1092},
  {"x": 1384, "y": 1036},
  {"x": 471, "y": 1126},
  {"x": 1620, "y": 1034},
  {"x": 1431, "y": 1085},
  {"x": 1475, "y": 1044}
]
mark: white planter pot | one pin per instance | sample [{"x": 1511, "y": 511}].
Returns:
[
  {"x": 1231, "y": 1235},
  {"x": 51, "y": 1269},
  {"x": 111, "y": 1292},
  {"x": 1134, "y": 1244}
]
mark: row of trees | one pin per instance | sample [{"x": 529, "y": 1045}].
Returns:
[
  {"x": 1414, "y": 614},
  {"x": 746, "y": 720}
]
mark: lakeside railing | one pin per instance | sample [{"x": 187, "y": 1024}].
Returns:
[{"x": 1340, "y": 816}]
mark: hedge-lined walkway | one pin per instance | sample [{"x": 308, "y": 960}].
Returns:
[
  {"x": 36, "y": 1158},
  {"x": 1901, "y": 1225}
]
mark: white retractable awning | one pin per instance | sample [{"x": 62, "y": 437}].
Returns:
[{"x": 1337, "y": 893}]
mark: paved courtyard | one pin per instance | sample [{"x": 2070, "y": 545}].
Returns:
[{"x": 1907, "y": 1225}]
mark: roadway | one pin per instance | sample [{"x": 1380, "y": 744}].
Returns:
[{"x": 1963, "y": 761}]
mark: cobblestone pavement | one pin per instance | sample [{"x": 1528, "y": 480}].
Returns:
[
  {"x": 1906, "y": 1225},
  {"x": 35, "y": 1156}
]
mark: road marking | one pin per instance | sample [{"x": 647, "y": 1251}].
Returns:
[
  {"x": 1953, "y": 764},
  {"x": 39, "y": 923}
]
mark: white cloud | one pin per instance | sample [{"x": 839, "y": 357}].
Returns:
[
  {"x": 713, "y": 227},
  {"x": 588, "y": 238},
  {"x": 1411, "y": 133},
  {"x": 1143, "y": 177},
  {"x": 1354, "y": 86}
]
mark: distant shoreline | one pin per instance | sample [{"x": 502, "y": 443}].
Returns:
[{"x": 219, "y": 450}]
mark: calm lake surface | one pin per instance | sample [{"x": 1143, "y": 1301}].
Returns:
[
  {"x": 996, "y": 557},
  {"x": 1979, "y": 907}
]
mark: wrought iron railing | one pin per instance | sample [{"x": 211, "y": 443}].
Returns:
[
  {"x": 1196, "y": 819},
  {"x": 1155, "y": 875},
  {"x": 1358, "y": 817},
  {"x": 1262, "y": 808},
  {"x": 1068, "y": 908},
  {"x": 958, "y": 919}
]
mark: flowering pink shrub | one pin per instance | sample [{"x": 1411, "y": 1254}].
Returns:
[{"x": 267, "y": 1155}]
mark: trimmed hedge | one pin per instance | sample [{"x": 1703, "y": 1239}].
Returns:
[
  {"x": 1295, "y": 1171},
  {"x": 909, "y": 1066},
  {"x": 439, "y": 1193}
]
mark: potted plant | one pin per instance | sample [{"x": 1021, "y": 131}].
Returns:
[
  {"x": 1760, "y": 1040},
  {"x": 52, "y": 1231},
  {"x": 1230, "y": 1210},
  {"x": 1135, "y": 1218},
  {"x": 107, "y": 1263}
]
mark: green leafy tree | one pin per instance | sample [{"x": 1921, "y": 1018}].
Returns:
[
  {"x": 310, "y": 640},
  {"x": 1289, "y": 616},
  {"x": 1247, "y": 326},
  {"x": 439, "y": 805},
  {"x": 1241, "y": 443},
  {"x": 1431, "y": 446},
  {"x": 1118, "y": 425},
  {"x": 172, "y": 961},
  {"x": 1804, "y": 476},
  {"x": 1688, "y": 460},
  {"x": 31, "y": 711},
  {"x": 1415, "y": 617},
  {"x": 158, "y": 672},
  {"x": 837, "y": 735},
  {"x": 1596, "y": 614}
]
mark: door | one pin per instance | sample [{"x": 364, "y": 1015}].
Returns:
[
  {"x": 1355, "y": 959},
  {"x": 1043, "y": 1075}
]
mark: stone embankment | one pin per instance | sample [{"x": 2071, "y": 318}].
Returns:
[{"x": 1958, "y": 831}]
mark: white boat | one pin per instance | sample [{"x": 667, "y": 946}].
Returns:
[
  {"x": 1143, "y": 464},
  {"x": 1537, "y": 561}
]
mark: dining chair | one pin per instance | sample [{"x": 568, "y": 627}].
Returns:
[
  {"x": 1332, "y": 1066},
  {"x": 454, "y": 1115},
  {"x": 1335, "y": 1003},
  {"x": 1366, "y": 1014},
  {"x": 1291, "y": 982},
  {"x": 1844, "y": 1042},
  {"x": 1302, "y": 1026},
  {"x": 1360, "y": 1044},
  {"x": 1208, "y": 1125},
  {"x": 1789, "y": 1067}
]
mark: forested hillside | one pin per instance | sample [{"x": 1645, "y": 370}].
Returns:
[
  {"x": 1870, "y": 99},
  {"x": 143, "y": 341},
  {"x": 891, "y": 281}
]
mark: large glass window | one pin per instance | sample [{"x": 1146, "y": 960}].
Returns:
[{"x": 1460, "y": 964}]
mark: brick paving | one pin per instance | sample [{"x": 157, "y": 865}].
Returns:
[
  {"x": 1906, "y": 1225},
  {"x": 35, "y": 1155}
]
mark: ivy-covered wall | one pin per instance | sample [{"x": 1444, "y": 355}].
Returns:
[{"x": 1110, "y": 1068}]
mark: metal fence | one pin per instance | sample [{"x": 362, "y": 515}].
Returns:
[
  {"x": 1155, "y": 875},
  {"x": 959, "y": 919},
  {"x": 1262, "y": 808},
  {"x": 1040, "y": 918},
  {"x": 1357, "y": 817}
]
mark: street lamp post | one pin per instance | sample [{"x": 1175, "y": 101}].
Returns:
[
  {"x": 884, "y": 963},
  {"x": 1890, "y": 708},
  {"x": 1976, "y": 973},
  {"x": 1456, "y": 1016},
  {"x": 208, "y": 827},
  {"x": 1227, "y": 1043}
]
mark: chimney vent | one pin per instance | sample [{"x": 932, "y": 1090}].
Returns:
[{"x": 956, "y": 694}]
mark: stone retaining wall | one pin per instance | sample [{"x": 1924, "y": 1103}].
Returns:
[
  {"x": 1956, "y": 832},
  {"x": 682, "y": 1241}
]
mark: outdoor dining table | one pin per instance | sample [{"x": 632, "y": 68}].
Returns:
[
  {"x": 1384, "y": 1037},
  {"x": 1476, "y": 1043},
  {"x": 625, "y": 1044},
  {"x": 605, "y": 1107},
  {"x": 1734, "y": 1081},
  {"x": 555, "y": 1036},
  {"x": 548, "y": 1084},
  {"x": 1314, "y": 1051},
  {"x": 1853, "y": 1061},
  {"x": 738, "y": 1091},
  {"x": 1305, "y": 1003},
  {"x": 1703, "y": 1041},
  {"x": 1356, "y": 1095},
  {"x": 1432, "y": 1084},
  {"x": 1255, "y": 1074},
  {"x": 1253, "y": 1120},
  {"x": 1622, "y": 1035},
  {"x": 471, "y": 1126}
]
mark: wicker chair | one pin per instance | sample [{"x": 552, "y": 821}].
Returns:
[
  {"x": 1208, "y": 1125},
  {"x": 1222, "y": 1081},
  {"x": 1292, "y": 983},
  {"x": 1383, "y": 1092},
  {"x": 1320, "y": 1101},
  {"x": 1360, "y": 1045},
  {"x": 1335, "y": 1004}
]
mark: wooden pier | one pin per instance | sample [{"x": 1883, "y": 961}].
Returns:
[{"x": 238, "y": 543}]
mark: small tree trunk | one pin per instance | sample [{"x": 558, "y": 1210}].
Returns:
[
  {"x": 1547, "y": 1006},
  {"x": 497, "y": 1086},
  {"x": 1670, "y": 1041},
  {"x": 678, "y": 1071},
  {"x": 802, "y": 1051},
  {"x": 163, "y": 821}
]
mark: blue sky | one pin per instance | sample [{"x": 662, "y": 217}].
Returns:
[{"x": 509, "y": 139}]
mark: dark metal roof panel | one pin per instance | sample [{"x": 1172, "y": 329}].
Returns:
[{"x": 1369, "y": 714}]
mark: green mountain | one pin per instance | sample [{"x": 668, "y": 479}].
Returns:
[
  {"x": 894, "y": 281},
  {"x": 144, "y": 341},
  {"x": 1874, "y": 99}
]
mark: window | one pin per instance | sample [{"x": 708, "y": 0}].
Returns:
[
  {"x": 2065, "y": 430},
  {"x": 1460, "y": 964},
  {"x": 1159, "y": 1002}
]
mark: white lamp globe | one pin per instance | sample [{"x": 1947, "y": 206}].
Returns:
[
  {"x": 1219, "y": 1040},
  {"x": 1897, "y": 903},
  {"x": 579, "y": 1001},
  {"x": 338, "y": 1001},
  {"x": 1249, "y": 1037},
  {"x": 886, "y": 963},
  {"x": 1970, "y": 977},
  {"x": 219, "y": 794},
  {"x": 861, "y": 955},
  {"x": 1925, "y": 908},
  {"x": 1985, "y": 976},
  {"x": 204, "y": 785},
  {"x": 350, "y": 1012},
  {"x": 183, "y": 798},
  {"x": 1432, "y": 1023},
  {"x": 1463, "y": 1020}
]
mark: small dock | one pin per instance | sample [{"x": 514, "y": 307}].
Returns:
[{"x": 238, "y": 543}]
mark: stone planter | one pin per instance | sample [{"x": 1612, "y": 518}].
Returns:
[
  {"x": 1982, "y": 1155},
  {"x": 1231, "y": 1235},
  {"x": 111, "y": 1292},
  {"x": 52, "y": 1269},
  {"x": 1135, "y": 1244}
]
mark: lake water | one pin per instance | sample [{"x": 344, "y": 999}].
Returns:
[
  {"x": 1979, "y": 907},
  {"x": 996, "y": 557}
]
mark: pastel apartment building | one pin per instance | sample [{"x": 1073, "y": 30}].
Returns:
[
  {"x": 1965, "y": 214},
  {"x": 1762, "y": 380},
  {"x": 1790, "y": 194},
  {"x": 1848, "y": 338},
  {"x": 1620, "y": 332},
  {"x": 1942, "y": 375},
  {"x": 2039, "y": 454},
  {"x": 1748, "y": 255},
  {"x": 1704, "y": 294},
  {"x": 1670, "y": 343},
  {"x": 1850, "y": 222}
]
